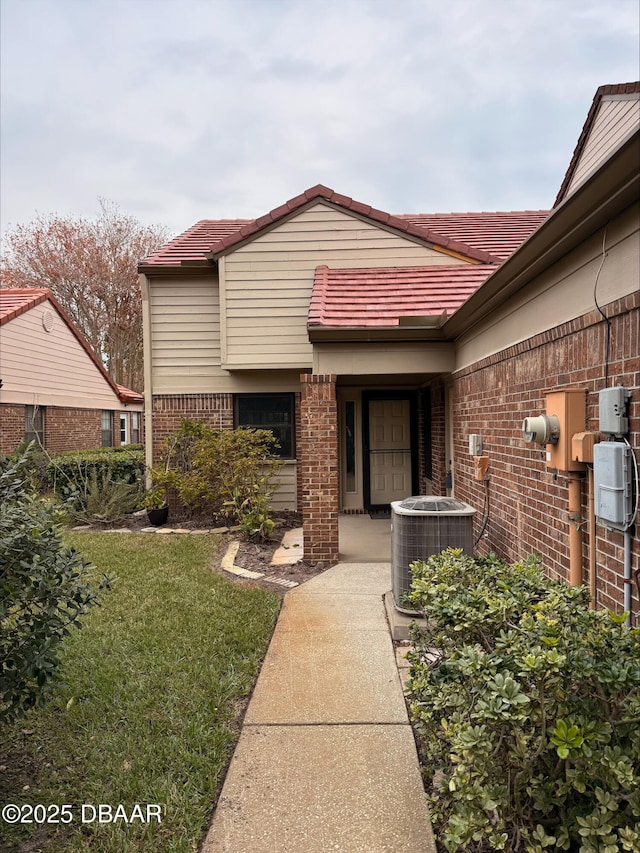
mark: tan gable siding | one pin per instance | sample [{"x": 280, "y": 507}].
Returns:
[
  {"x": 49, "y": 368},
  {"x": 616, "y": 117},
  {"x": 185, "y": 334},
  {"x": 268, "y": 281}
]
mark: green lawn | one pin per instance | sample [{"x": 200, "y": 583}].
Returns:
[{"x": 147, "y": 715}]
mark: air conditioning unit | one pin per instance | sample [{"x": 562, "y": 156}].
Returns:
[{"x": 422, "y": 526}]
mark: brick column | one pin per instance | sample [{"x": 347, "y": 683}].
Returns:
[{"x": 318, "y": 466}]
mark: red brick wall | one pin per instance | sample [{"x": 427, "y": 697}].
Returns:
[
  {"x": 64, "y": 429},
  {"x": 528, "y": 501},
  {"x": 11, "y": 427},
  {"x": 318, "y": 466},
  {"x": 215, "y": 410}
]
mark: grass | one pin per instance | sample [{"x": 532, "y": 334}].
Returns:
[{"x": 148, "y": 711}]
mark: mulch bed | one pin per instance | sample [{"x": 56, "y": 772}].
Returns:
[{"x": 252, "y": 555}]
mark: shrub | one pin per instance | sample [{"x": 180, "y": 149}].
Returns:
[
  {"x": 527, "y": 706},
  {"x": 103, "y": 483},
  {"x": 223, "y": 472},
  {"x": 44, "y": 591}
]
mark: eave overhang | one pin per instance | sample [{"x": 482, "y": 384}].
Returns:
[{"x": 377, "y": 334}]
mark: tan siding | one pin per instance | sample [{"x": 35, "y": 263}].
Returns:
[
  {"x": 50, "y": 368},
  {"x": 185, "y": 334},
  {"x": 285, "y": 496},
  {"x": 563, "y": 292},
  {"x": 268, "y": 282},
  {"x": 614, "y": 120}
]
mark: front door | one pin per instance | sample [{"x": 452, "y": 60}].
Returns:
[{"x": 389, "y": 464}]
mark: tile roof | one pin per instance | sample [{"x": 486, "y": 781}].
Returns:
[
  {"x": 379, "y": 297},
  {"x": 482, "y": 237},
  {"x": 192, "y": 246},
  {"x": 603, "y": 91},
  {"x": 15, "y": 301},
  {"x": 499, "y": 233}
]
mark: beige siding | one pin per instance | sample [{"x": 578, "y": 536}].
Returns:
[
  {"x": 616, "y": 117},
  {"x": 385, "y": 359},
  {"x": 49, "y": 368},
  {"x": 563, "y": 292},
  {"x": 285, "y": 496},
  {"x": 268, "y": 282},
  {"x": 185, "y": 334}
]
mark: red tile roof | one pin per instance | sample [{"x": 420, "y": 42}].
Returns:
[
  {"x": 379, "y": 297},
  {"x": 129, "y": 396},
  {"x": 193, "y": 245},
  {"x": 483, "y": 237},
  {"x": 498, "y": 233},
  {"x": 15, "y": 301},
  {"x": 603, "y": 91}
]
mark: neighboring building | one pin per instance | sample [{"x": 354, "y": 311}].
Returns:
[
  {"x": 54, "y": 388},
  {"x": 374, "y": 345}
]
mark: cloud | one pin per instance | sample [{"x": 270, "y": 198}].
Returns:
[{"x": 190, "y": 109}]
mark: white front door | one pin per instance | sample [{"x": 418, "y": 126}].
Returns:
[{"x": 390, "y": 463}]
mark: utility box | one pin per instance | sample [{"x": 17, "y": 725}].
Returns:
[
  {"x": 582, "y": 444},
  {"x": 612, "y": 476},
  {"x": 570, "y": 407}
]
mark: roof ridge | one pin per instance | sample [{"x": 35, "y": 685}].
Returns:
[{"x": 380, "y": 216}]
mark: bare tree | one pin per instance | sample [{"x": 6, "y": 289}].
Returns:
[{"x": 90, "y": 266}]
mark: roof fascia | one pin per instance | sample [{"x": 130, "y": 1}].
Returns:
[
  {"x": 329, "y": 334},
  {"x": 183, "y": 269},
  {"x": 394, "y": 226},
  {"x": 607, "y": 192},
  {"x": 608, "y": 92}
]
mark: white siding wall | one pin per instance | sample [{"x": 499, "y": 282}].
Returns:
[
  {"x": 268, "y": 281},
  {"x": 616, "y": 117},
  {"x": 49, "y": 368}
]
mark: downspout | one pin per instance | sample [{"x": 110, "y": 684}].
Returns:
[
  {"x": 148, "y": 386},
  {"x": 575, "y": 532}
]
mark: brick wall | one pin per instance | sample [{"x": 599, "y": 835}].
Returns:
[
  {"x": 11, "y": 427},
  {"x": 215, "y": 410},
  {"x": 318, "y": 466},
  {"x": 64, "y": 429},
  {"x": 528, "y": 501},
  {"x": 72, "y": 429}
]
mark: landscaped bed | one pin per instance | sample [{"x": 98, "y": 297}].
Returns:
[{"x": 155, "y": 686}]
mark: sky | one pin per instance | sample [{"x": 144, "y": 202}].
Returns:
[{"x": 180, "y": 110}]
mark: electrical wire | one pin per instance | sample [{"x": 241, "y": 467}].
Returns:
[
  {"x": 602, "y": 314},
  {"x": 637, "y": 485}
]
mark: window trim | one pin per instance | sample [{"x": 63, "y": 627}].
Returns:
[
  {"x": 289, "y": 395},
  {"x": 102, "y": 428},
  {"x": 34, "y": 421}
]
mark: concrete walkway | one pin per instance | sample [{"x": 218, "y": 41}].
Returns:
[{"x": 326, "y": 759}]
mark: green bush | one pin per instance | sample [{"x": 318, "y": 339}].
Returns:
[
  {"x": 104, "y": 482},
  {"x": 44, "y": 591},
  {"x": 227, "y": 473},
  {"x": 527, "y": 707}
]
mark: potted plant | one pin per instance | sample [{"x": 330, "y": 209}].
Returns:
[{"x": 155, "y": 502}]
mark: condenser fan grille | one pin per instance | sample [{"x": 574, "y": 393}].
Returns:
[{"x": 422, "y": 526}]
